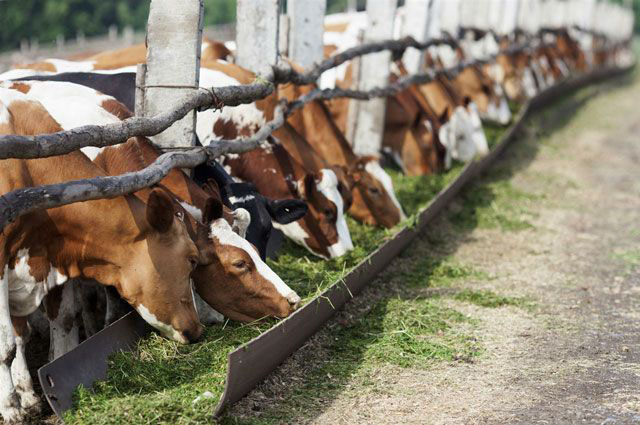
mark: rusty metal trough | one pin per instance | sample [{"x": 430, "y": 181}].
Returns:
[{"x": 249, "y": 364}]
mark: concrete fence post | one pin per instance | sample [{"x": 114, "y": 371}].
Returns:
[
  {"x": 374, "y": 72},
  {"x": 306, "y": 27},
  {"x": 174, "y": 38},
  {"x": 416, "y": 25},
  {"x": 257, "y": 33}
]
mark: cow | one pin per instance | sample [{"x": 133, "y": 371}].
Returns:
[
  {"x": 119, "y": 58},
  {"x": 472, "y": 81},
  {"x": 263, "y": 211},
  {"x": 244, "y": 293},
  {"x": 318, "y": 230},
  {"x": 323, "y": 231},
  {"x": 143, "y": 250},
  {"x": 311, "y": 132},
  {"x": 462, "y": 136}
]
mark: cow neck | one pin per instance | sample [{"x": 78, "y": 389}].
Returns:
[
  {"x": 448, "y": 90},
  {"x": 349, "y": 156},
  {"x": 422, "y": 101}
]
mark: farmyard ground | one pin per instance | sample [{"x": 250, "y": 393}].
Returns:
[{"x": 521, "y": 304}]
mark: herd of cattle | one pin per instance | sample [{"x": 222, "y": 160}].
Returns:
[{"x": 192, "y": 249}]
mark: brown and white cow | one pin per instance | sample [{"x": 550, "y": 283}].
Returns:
[
  {"x": 230, "y": 276},
  {"x": 275, "y": 173},
  {"x": 462, "y": 134},
  {"x": 115, "y": 59},
  {"x": 143, "y": 251},
  {"x": 331, "y": 239},
  {"x": 374, "y": 199}
]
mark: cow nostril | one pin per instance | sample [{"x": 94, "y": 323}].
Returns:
[{"x": 192, "y": 335}]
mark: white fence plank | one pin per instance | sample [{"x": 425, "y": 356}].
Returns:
[
  {"x": 415, "y": 24},
  {"x": 306, "y": 26},
  {"x": 374, "y": 72},
  {"x": 174, "y": 37},
  {"x": 257, "y": 33}
]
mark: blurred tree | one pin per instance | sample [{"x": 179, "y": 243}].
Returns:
[{"x": 44, "y": 20}]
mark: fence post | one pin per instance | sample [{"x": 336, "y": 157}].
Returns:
[
  {"x": 450, "y": 16},
  {"x": 509, "y": 20},
  {"x": 257, "y": 33},
  {"x": 174, "y": 37},
  {"x": 416, "y": 21},
  {"x": 306, "y": 27},
  {"x": 374, "y": 72}
]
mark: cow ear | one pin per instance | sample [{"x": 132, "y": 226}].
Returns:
[
  {"x": 160, "y": 210},
  {"x": 212, "y": 210},
  {"x": 211, "y": 187}
]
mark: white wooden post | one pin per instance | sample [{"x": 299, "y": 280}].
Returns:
[
  {"x": 374, "y": 72},
  {"x": 450, "y": 16},
  {"x": 306, "y": 27},
  {"x": 416, "y": 20},
  {"x": 174, "y": 37},
  {"x": 257, "y": 33},
  {"x": 494, "y": 15},
  {"x": 509, "y": 16}
]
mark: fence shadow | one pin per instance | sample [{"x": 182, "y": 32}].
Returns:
[{"x": 321, "y": 371}]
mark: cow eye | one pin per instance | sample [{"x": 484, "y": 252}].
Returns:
[
  {"x": 180, "y": 215},
  {"x": 194, "y": 263},
  {"x": 240, "y": 264},
  {"x": 374, "y": 191},
  {"x": 329, "y": 213}
]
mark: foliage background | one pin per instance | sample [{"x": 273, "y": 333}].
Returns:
[{"x": 43, "y": 20}]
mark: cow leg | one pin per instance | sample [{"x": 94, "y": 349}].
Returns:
[
  {"x": 63, "y": 328},
  {"x": 29, "y": 401},
  {"x": 39, "y": 323},
  {"x": 9, "y": 401}
]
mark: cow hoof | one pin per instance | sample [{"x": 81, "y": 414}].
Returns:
[
  {"x": 30, "y": 402},
  {"x": 13, "y": 415}
]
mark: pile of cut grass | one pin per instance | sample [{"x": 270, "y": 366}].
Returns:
[{"x": 160, "y": 381}]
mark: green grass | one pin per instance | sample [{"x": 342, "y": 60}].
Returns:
[
  {"x": 157, "y": 382},
  {"x": 495, "y": 204},
  {"x": 489, "y": 299},
  {"x": 416, "y": 333}
]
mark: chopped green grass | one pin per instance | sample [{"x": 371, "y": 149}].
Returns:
[
  {"x": 415, "y": 333},
  {"x": 438, "y": 272},
  {"x": 158, "y": 382},
  {"x": 488, "y": 299},
  {"x": 495, "y": 204}
]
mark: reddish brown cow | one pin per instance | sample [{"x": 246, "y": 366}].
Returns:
[
  {"x": 230, "y": 276},
  {"x": 143, "y": 251}
]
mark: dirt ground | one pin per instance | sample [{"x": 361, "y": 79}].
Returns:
[{"x": 572, "y": 355}]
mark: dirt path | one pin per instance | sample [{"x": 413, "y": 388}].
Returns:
[{"x": 556, "y": 226}]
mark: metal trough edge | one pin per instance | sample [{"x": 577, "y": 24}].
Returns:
[{"x": 252, "y": 362}]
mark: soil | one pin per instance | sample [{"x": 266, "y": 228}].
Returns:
[{"x": 574, "y": 357}]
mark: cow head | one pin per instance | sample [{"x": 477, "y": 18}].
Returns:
[
  {"x": 498, "y": 109},
  {"x": 478, "y": 136},
  {"x": 487, "y": 95},
  {"x": 374, "y": 200},
  {"x": 232, "y": 277},
  {"x": 323, "y": 230},
  {"x": 154, "y": 274}
]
